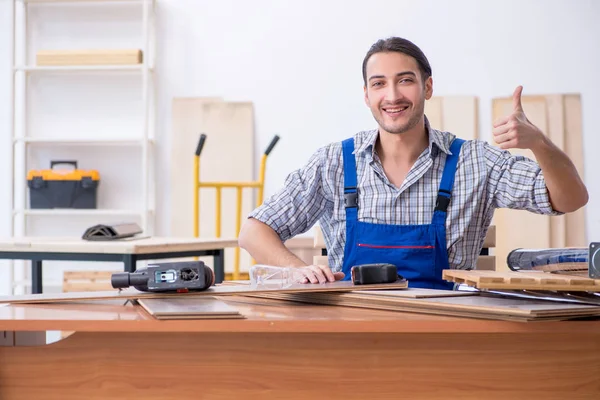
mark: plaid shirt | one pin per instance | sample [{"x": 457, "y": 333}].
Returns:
[{"x": 486, "y": 178}]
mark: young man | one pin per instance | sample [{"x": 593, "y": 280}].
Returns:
[{"x": 405, "y": 193}]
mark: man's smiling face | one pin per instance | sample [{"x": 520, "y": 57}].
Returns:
[{"x": 395, "y": 91}]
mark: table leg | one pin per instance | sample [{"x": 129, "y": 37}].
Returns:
[
  {"x": 36, "y": 276},
  {"x": 219, "y": 265},
  {"x": 130, "y": 261}
]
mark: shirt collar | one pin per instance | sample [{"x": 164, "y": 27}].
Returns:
[{"x": 440, "y": 140}]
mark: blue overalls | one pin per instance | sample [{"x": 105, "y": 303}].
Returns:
[{"x": 418, "y": 251}]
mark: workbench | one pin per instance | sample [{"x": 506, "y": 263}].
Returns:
[
  {"x": 292, "y": 351},
  {"x": 128, "y": 251}
]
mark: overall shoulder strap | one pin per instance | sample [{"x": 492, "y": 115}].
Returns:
[
  {"x": 350, "y": 194},
  {"x": 445, "y": 190}
]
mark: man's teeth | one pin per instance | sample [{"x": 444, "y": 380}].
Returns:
[{"x": 391, "y": 110}]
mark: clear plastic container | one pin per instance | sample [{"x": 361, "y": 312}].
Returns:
[
  {"x": 270, "y": 277},
  {"x": 537, "y": 259}
]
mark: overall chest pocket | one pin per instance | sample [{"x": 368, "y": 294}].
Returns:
[{"x": 411, "y": 248}]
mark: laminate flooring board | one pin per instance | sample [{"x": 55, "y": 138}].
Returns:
[
  {"x": 189, "y": 308},
  {"x": 459, "y": 306},
  {"x": 218, "y": 290}
]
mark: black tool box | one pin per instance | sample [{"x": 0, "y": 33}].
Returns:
[{"x": 63, "y": 188}]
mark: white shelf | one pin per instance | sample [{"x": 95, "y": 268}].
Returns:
[
  {"x": 81, "y": 68},
  {"x": 22, "y": 68},
  {"x": 83, "y": 1},
  {"x": 80, "y": 212},
  {"x": 86, "y": 142}
]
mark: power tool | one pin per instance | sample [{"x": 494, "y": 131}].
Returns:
[
  {"x": 368, "y": 274},
  {"x": 178, "y": 277}
]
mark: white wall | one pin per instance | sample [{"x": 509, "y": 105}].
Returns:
[{"x": 300, "y": 63}]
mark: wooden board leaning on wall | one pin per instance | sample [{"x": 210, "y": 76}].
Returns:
[
  {"x": 228, "y": 155},
  {"x": 559, "y": 117}
]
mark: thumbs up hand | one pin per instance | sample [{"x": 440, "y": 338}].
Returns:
[{"x": 515, "y": 130}]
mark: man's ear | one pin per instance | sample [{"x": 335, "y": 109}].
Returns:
[{"x": 428, "y": 88}]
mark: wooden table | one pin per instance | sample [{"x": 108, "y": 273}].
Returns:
[
  {"x": 293, "y": 351},
  {"x": 129, "y": 251}
]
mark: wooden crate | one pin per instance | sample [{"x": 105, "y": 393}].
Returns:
[{"x": 87, "y": 281}]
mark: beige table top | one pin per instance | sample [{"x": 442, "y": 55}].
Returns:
[
  {"x": 142, "y": 245},
  {"x": 263, "y": 316}
]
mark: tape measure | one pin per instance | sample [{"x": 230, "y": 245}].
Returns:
[{"x": 369, "y": 274}]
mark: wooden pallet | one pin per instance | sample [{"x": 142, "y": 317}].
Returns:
[{"x": 522, "y": 280}]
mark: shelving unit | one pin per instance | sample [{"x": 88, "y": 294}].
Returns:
[{"x": 23, "y": 140}]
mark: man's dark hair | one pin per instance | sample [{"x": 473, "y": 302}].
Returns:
[{"x": 398, "y": 45}]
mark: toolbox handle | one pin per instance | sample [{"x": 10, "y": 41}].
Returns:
[
  {"x": 55, "y": 162},
  {"x": 200, "y": 144},
  {"x": 272, "y": 144}
]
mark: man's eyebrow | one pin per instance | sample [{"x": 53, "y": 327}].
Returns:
[{"x": 403, "y": 73}]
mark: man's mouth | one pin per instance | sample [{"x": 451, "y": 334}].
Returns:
[{"x": 395, "y": 111}]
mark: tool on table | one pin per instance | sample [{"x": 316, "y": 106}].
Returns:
[
  {"x": 178, "y": 277},
  {"x": 218, "y": 186},
  {"x": 367, "y": 274},
  {"x": 594, "y": 260},
  {"x": 63, "y": 187},
  {"x": 555, "y": 260},
  {"x": 102, "y": 232}
]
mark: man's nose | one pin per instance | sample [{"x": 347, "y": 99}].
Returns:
[{"x": 393, "y": 93}]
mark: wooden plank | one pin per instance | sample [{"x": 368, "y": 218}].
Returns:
[
  {"x": 89, "y": 57},
  {"x": 522, "y": 280},
  {"x": 576, "y": 235},
  {"x": 319, "y": 238},
  {"x": 91, "y": 286},
  {"x": 320, "y": 260},
  {"x": 227, "y": 156},
  {"x": 87, "y": 275},
  {"x": 486, "y": 263},
  {"x": 460, "y": 116},
  {"x": 198, "y": 308},
  {"x": 454, "y": 114},
  {"x": 513, "y": 227},
  {"x": 217, "y": 290},
  {"x": 434, "y": 113},
  {"x": 185, "y": 133},
  {"x": 556, "y": 133},
  {"x": 490, "y": 237},
  {"x": 488, "y": 307}
]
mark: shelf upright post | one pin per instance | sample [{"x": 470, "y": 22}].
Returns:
[{"x": 145, "y": 105}]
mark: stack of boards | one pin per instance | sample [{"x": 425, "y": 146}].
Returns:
[
  {"x": 391, "y": 297},
  {"x": 447, "y": 303},
  {"x": 191, "y": 305}
]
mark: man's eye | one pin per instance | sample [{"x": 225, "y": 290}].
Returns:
[
  {"x": 405, "y": 80},
  {"x": 377, "y": 83}
]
